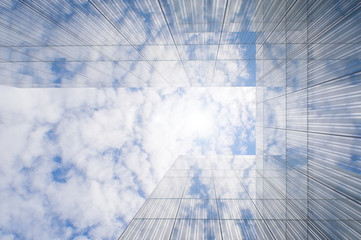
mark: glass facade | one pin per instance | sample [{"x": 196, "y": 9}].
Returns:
[
  {"x": 148, "y": 43},
  {"x": 204, "y": 197},
  {"x": 308, "y": 129},
  {"x": 179, "y": 43}
]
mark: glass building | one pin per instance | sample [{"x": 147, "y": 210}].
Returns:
[
  {"x": 209, "y": 197},
  {"x": 303, "y": 57}
]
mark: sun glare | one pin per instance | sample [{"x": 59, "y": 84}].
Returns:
[{"x": 199, "y": 123}]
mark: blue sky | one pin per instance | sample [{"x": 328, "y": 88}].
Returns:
[{"x": 66, "y": 151}]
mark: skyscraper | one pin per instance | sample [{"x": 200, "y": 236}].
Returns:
[
  {"x": 302, "y": 56},
  {"x": 203, "y": 197},
  {"x": 308, "y": 138}
]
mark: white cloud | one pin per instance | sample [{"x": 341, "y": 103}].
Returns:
[{"x": 114, "y": 148}]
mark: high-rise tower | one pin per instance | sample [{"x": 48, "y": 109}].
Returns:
[{"x": 205, "y": 197}]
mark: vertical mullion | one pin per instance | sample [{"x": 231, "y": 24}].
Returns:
[
  {"x": 180, "y": 202},
  {"x": 307, "y": 128},
  {"x": 217, "y": 204},
  {"x": 286, "y": 124}
]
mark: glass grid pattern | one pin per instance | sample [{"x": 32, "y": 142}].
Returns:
[
  {"x": 308, "y": 129},
  {"x": 220, "y": 206},
  {"x": 148, "y": 43}
]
